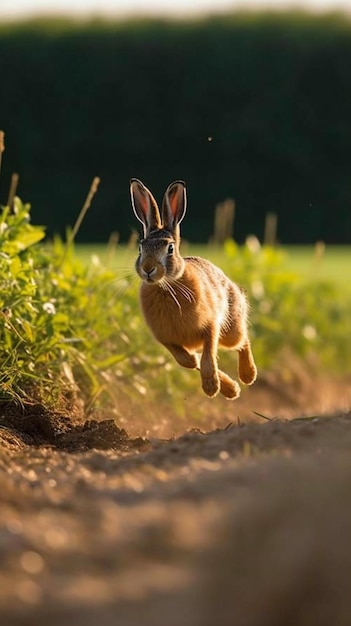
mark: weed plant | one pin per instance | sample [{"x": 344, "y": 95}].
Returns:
[{"x": 59, "y": 328}]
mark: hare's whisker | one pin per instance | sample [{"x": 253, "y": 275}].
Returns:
[
  {"x": 184, "y": 290},
  {"x": 129, "y": 282},
  {"x": 165, "y": 284}
]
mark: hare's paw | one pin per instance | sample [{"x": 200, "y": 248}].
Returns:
[
  {"x": 210, "y": 385},
  {"x": 248, "y": 373},
  {"x": 247, "y": 368},
  {"x": 229, "y": 388}
]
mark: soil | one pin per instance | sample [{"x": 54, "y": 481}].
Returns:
[{"x": 230, "y": 522}]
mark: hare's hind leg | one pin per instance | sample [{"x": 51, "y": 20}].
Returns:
[
  {"x": 229, "y": 388},
  {"x": 235, "y": 336},
  {"x": 208, "y": 364},
  {"x": 246, "y": 366},
  {"x": 213, "y": 379}
]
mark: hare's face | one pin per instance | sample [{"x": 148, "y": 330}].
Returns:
[{"x": 158, "y": 259}]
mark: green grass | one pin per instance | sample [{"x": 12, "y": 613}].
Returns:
[
  {"x": 309, "y": 262},
  {"x": 331, "y": 263}
]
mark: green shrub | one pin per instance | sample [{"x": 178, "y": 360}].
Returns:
[
  {"x": 56, "y": 323},
  {"x": 290, "y": 314}
]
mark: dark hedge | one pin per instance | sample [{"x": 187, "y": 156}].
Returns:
[{"x": 251, "y": 106}]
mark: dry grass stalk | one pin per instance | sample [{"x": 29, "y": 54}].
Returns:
[
  {"x": 319, "y": 251},
  {"x": 13, "y": 189},
  {"x": 111, "y": 246},
  {"x": 270, "y": 230},
  {"x": 86, "y": 206},
  {"x": 133, "y": 239},
  {"x": 224, "y": 221},
  {"x": 2, "y": 145},
  {"x": 71, "y": 237}
]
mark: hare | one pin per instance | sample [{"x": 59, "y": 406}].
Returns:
[{"x": 188, "y": 303}]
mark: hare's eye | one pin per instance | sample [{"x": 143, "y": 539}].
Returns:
[{"x": 170, "y": 249}]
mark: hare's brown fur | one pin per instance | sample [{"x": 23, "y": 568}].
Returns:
[{"x": 188, "y": 303}]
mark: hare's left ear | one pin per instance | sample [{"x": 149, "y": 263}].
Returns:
[{"x": 174, "y": 205}]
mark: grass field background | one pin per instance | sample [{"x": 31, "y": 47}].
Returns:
[{"x": 312, "y": 262}]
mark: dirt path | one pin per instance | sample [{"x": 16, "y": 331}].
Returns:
[{"x": 248, "y": 525}]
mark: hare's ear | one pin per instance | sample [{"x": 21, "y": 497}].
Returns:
[
  {"x": 174, "y": 205},
  {"x": 144, "y": 206}
]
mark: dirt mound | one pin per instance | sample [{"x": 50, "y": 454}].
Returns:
[{"x": 35, "y": 425}]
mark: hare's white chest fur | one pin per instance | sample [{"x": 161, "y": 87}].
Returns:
[
  {"x": 188, "y": 314},
  {"x": 188, "y": 303}
]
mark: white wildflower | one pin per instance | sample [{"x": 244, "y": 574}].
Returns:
[{"x": 49, "y": 308}]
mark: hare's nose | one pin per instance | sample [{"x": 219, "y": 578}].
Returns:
[{"x": 149, "y": 273}]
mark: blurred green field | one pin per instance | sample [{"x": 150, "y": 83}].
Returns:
[
  {"x": 319, "y": 261},
  {"x": 331, "y": 262}
]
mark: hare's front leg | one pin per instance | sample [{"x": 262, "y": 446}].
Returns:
[
  {"x": 182, "y": 356},
  {"x": 208, "y": 364}
]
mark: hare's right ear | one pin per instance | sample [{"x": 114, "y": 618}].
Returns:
[
  {"x": 174, "y": 205},
  {"x": 144, "y": 206}
]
